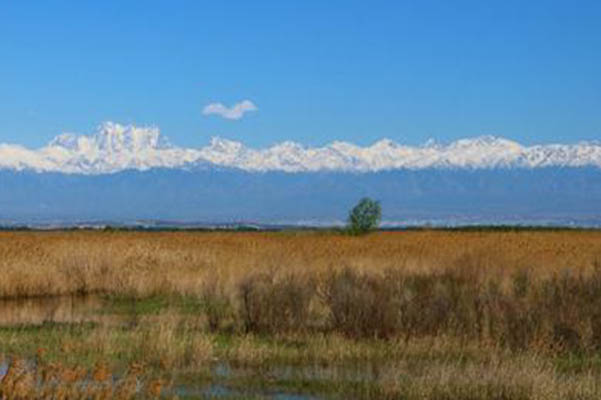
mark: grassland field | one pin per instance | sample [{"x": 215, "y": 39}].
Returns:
[{"x": 419, "y": 314}]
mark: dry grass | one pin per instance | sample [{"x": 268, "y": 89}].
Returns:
[
  {"x": 55, "y": 263},
  {"x": 454, "y": 315},
  {"x": 436, "y": 368},
  {"x": 40, "y": 379},
  {"x": 516, "y": 289}
]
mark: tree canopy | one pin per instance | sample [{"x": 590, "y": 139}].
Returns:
[{"x": 365, "y": 216}]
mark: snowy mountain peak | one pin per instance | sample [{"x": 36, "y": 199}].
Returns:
[
  {"x": 432, "y": 143},
  {"x": 113, "y": 138},
  {"x": 116, "y": 147},
  {"x": 65, "y": 140},
  {"x": 385, "y": 144},
  {"x": 118, "y": 138},
  {"x": 221, "y": 145},
  {"x": 488, "y": 141}
]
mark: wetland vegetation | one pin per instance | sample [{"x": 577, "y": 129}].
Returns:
[{"x": 398, "y": 315}]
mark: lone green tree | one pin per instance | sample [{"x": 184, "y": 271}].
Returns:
[{"x": 365, "y": 216}]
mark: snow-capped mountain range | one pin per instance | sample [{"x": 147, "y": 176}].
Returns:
[{"x": 116, "y": 147}]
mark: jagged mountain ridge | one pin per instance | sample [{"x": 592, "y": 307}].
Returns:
[{"x": 114, "y": 148}]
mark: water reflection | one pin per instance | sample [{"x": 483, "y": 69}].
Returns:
[
  {"x": 78, "y": 309},
  {"x": 37, "y": 311},
  {"x": 216, "y": 391}
]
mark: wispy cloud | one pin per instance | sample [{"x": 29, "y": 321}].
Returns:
[{"x": 237, "y": 111}]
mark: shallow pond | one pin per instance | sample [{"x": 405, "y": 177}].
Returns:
[
  {"x": 40, "y": 310},
  {"x": 224, "y": 380}
]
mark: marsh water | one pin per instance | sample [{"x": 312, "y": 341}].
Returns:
[
  {"x": 100, "y": 310},
  {"x": 40, "y": 310}
]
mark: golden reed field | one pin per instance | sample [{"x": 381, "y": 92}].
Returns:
[
  {"x": 55, "y": 263},
  {"x": 424, "y": 314}
]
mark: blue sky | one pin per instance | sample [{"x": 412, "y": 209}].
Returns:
[{"x": 317, "y": 70}]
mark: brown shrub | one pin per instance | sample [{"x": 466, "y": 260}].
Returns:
[
  {"x": 275, "y": 302},
  {"x": 363, "y": 305}
]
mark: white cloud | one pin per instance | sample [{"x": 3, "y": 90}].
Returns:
[{"x": 235, "y": 112}]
